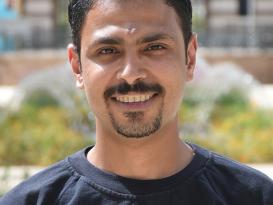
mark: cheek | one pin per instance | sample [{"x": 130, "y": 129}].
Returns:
[
  {"x": 95, "y": 80},
  {"x": 173, "y": 100},
  {"x": 174, "y": 92},
  {"x": 171, "y": 73},
  {"x": 173, "y": 78}
]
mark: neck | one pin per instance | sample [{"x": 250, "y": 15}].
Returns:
[{"x": 157, "y": 156}]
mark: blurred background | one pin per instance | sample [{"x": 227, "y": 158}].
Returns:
[{"x": 228, "y": 107}]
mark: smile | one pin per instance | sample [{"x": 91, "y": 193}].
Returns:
[{"x": 134, "y": 98}]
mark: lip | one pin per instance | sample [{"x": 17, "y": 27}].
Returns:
[{"x": 134, "y": 106}]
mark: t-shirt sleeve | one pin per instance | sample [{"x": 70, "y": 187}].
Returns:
[
  {"x": 264, "y": 191},
  {"x": 42, "y": 188},
  {"x": 247, "y": 180}
]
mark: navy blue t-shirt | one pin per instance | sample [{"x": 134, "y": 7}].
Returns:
[{"x": 210, "y": 179}]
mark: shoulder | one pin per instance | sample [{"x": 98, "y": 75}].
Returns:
[
  {"x": 246, "y": 175},
  {"x": 237, "y": 181},
  {"x": 46, "y": 185}
]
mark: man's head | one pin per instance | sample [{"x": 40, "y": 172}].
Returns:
[
  {"x": 78, "y": 9},
  {"x": 133, "y": 63}
]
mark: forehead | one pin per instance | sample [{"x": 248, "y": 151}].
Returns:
[
  {"x": 128, "y": 3},
  {"x": 130, "y": 15}
]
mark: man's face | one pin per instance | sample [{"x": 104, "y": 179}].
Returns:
[{"x": 133, "y": 63}]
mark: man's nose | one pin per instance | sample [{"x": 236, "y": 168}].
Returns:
[{"x": 132, "y": 71}]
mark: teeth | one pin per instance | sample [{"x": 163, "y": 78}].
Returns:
[
  {"x": 143, "y": 98},
  {"x": 133, "y": 98}
]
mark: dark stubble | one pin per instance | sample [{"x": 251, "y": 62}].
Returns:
[{"x": 135, "y": 127}]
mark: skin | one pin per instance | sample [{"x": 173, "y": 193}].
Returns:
[{"x": 144, "y": 46}]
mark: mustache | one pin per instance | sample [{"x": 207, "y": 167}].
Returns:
[{"x": 138, "y": 87}]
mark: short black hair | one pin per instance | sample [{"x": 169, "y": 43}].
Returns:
[{"x": 78, "y": 9}]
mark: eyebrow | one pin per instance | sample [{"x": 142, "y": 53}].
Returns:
[
  {"x": 106, "y": 40},
  {"x": 155, "y": 37}
]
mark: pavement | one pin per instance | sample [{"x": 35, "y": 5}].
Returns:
[
  {"x": 6, "y": 95},
  {"x": 265, "y": 168},
  {"x": 262, "y": 96}
]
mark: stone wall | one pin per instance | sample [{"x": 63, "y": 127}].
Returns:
[
  {"x": 259, "y": 63},
  {"x": 15, "y": 66}
]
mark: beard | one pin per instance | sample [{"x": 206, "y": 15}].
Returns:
[{"x": 135, "y": 127}]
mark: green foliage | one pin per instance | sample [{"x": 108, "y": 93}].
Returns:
[
  {"x": 39, "y": 134},
  {"x": 236, "y": 129},
  {"x": 40, "y": 98},
  {"x": 231, "y": 103}
]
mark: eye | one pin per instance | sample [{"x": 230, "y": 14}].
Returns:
[
  {"x": 155, "y": 47},
  {"x": 106, "y": 51}
]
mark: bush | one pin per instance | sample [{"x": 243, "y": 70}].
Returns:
[
  {"x": 234, "y": 128},
  {"x": 42, "y": 132},
  {"x": 38, "y": 135}
]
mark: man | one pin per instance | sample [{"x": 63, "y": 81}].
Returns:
[{"x": 133, "y": 59}]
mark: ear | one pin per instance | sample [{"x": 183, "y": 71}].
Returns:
[
  {"x": 191, "y": 56},
  {"x": 75, "y": 65}
]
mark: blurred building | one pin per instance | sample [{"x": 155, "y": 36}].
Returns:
[
  {"x": 219, "y": 23},
  {"x": 234, "y": 23},
  {"x": 32, "y": 24}
]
